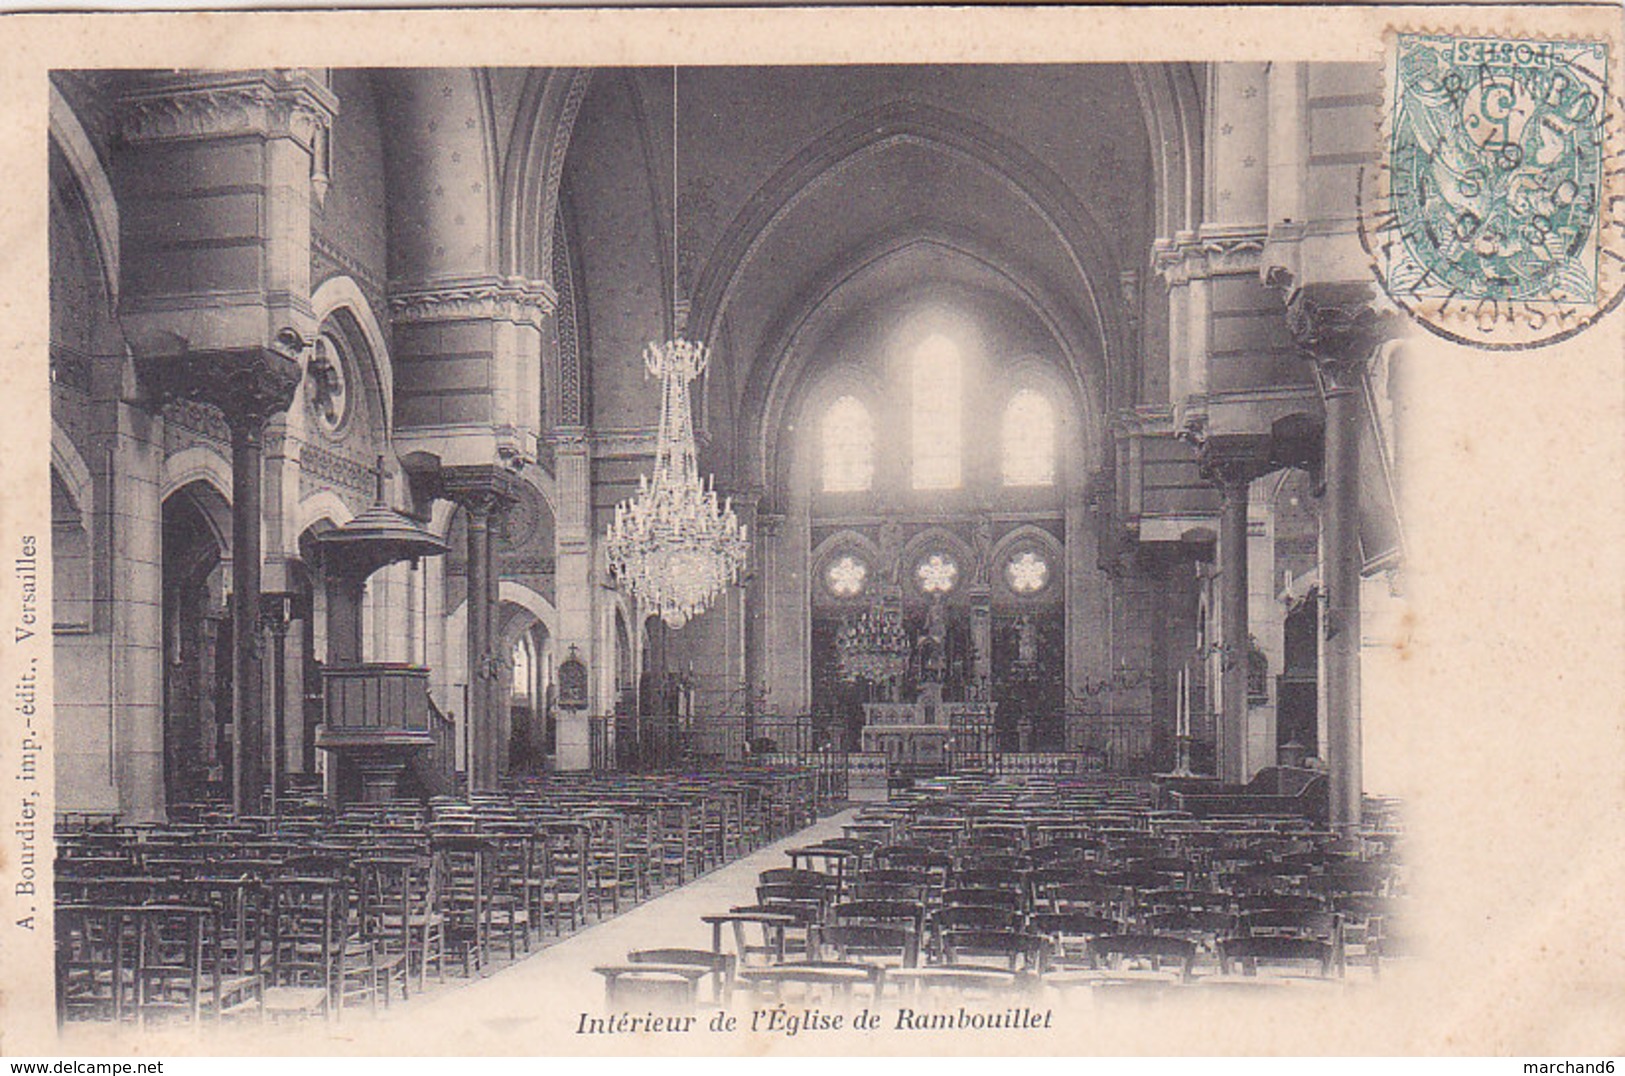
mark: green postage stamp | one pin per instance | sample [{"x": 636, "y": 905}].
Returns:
[{"x": 1496, "y": 215}]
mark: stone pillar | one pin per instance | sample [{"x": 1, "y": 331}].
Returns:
[
  {"x": 484, "y": 493},
  {"x": 1233, "y": 625},
  {"x": 215, "y": 292},
  {"x": 249, "y": 386},
  {"x": 753, "y": 667},
  {"x": 1336, "y": 326},
  {"x": 277, "y": 611},
  {"x": 1340, "y": 582},
  {"x": 499, "y": 665},
  {"x": 573, "y": 584}
]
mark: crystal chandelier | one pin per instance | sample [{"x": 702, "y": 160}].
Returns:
[
  {"x": 673, "y": 547},
  {"x": 873, "y": 646}
]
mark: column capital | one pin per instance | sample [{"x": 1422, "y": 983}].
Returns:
[
  {"x": 1212, "y": 250},
  {"x": 487, "y": 491},
  {"x": 482, "y": 298},
  {"x": 569, "y": 439},
  {"x": 275, "y": 102},
  {"x": 1233, "y": 462},
  {"x": 249, "y": 385},
  {"x": 1339, "y": 327},
  {"x": 769, "y": 524}
]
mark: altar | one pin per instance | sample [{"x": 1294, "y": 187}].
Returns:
[{"x": 929, "y": 736}]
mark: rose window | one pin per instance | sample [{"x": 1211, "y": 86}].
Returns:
[
  {"x": 845, "y": 577},
  {"x": 937, "y": 574},
  {"x": 1027, "y": 572}
]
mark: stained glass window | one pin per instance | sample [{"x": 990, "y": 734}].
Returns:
[
  {"x": 937, "y": 574},
  {"x": 845, "y": 576},
  {"x": 937, "y": 382},
  {"x": 1027, "y": 572},
  {"x": 1029, "y": 440},
  {"x": 849, "y": 446}
]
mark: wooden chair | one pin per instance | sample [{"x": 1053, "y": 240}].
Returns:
[
  {"x": 642, "y": 986},
  {"x": 512, "y": 889},
  {"x": 1115, "y": 951},
  {"x": 95, "y": 963},
  {"x": 564, "y": 878},
  {"x": 771, "y": 925},
  {"x": 808, "y": 981},
  {"x": 1014, "y": 900},
  {"x": 463, "y": 863},
  {"x": 308, "y": 929},
  {"x": 1017, "y": 950},
  {"x": 1204, "y": 928},
  {"x": 1325, "y": 927},
  {"x": 871, "y": 943},
  {"x": 233, "y": 944},
  {"x": 951, "y": 985},
  {"x": 401, "y": 912},
  {"x": 721, "y": 966},
  {"x": 1278, "y": 952},
  {"x": 1366, "y": 921},
  {"x": 1069, "y": 934},
  {"x": 909, "y": 914}
]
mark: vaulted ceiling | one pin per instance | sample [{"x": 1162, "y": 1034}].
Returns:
[{"x": 1033, "y": 183}]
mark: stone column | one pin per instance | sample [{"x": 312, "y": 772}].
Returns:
[
  {"x": 573, "y": 583},
  {"x": 215, "y": 292},
  {"x": 484, "y": 493},
  {"x": 276, "y": 613},
  {"x": 747, "y": 505},
  {"x": 249, "y": 386},
  {"x": 1336, "y": 326},
  {"x": 1233, "y": 490},
  {"x": 1340, "y": 582}
]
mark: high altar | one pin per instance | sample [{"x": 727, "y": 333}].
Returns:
[{"x": 929, "y": 735}]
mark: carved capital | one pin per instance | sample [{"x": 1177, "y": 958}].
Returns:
[
  {"x": 511, "y": 299},
  {"x": 249, "y": 385},
  {"x": 628, "y": 443},
  {"x": 1235, "y": 462},
  {"x": 276, "y": 103},
  {"x": 483, "y": 491},
  {"x": 1215, "y": 250},
  {"x": 1339, "y": 326},
  {"x": 569, "y": 439}
]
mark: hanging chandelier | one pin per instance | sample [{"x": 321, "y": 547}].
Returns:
[
  {"x": 673, "y": 546},
  {"x": 873, "y": 646}
]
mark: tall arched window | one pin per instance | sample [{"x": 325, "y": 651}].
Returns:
[
  {"x": 938, "y": 392},
  {"x": 1029, "y": 440},
  {"x": 849, "y": 446}
]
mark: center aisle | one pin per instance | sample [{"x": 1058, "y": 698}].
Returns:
[{"x": 539, "y": 997}]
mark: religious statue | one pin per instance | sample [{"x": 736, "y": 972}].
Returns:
[
  {"x": 982, "y": 539},
  {"x": 1026, "y": 643},
  {"x": 891, "y": 551},
  {"x": 934, "y": 643}
]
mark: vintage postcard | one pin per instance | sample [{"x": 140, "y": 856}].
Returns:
[{"x": 1017, "y": 531}]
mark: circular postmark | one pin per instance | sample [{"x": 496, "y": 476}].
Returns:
[{"x": 1496, "y": 215}]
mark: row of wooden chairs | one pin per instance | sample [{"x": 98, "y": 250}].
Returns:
[
  {"x": 211, "y": 917},
  {"x": 1082, "y": 880}
]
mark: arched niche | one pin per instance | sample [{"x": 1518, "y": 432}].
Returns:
[{"x": 196, "y": 632}]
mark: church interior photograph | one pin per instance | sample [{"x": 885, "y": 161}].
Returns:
[{"x": 717, "y": 536}]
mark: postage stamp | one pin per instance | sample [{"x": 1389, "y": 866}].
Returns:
[{"x": 1496, "y": 215}]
